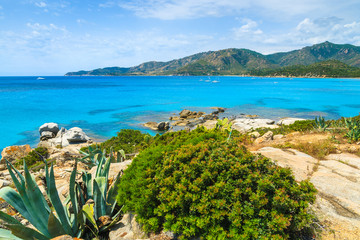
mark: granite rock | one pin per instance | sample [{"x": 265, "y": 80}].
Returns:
[{"x": 50, "y": 127}]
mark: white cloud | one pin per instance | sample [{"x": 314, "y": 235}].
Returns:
[
  {"x": 40, "y": 4},
  {"x": 187, "y": 9},
  {"x": 53, "y": 47},
  {"x": 333, "y": 29},
  {"x": 306, "y": 32},
  {"x": 107, "y": 4},
  {"x": 248, "y": 30}
]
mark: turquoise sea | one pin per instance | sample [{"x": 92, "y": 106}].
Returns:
[{"x": 104, "y": 105}]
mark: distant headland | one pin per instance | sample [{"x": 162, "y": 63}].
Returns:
[{"x": 320, "y": 60}]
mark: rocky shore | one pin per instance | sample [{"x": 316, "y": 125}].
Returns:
[{"x": 336, "y": 176}]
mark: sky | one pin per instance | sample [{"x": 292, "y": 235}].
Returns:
[{"x": 52, "y": 37}]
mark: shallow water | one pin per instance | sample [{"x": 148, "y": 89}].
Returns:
[{"x": 104, "y": 105}]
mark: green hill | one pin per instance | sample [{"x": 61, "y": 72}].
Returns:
[
  {"x": 246, "y": 62},
  {"x": 346, "y": 53},
  {"x": 329, "y": 68}
]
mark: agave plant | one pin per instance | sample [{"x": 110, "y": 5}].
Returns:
[
  {"x": 86, "y": 207},
  {"x": 103, "y": 192},
  {"x": 92, "y": 157},
  {"x": 353, "y": 127},
  {"x": 320, "y": 124},
  {"x": 32, "y": 205}
]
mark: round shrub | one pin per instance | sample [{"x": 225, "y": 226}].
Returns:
[
  {"x": 35, "y": 157},
  {"x": 198, "y": 184}
]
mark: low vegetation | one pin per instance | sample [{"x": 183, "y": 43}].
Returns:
[
  {"x": 198, "y": 184},
  {"x": 330, "y": 68},
  {"x": 318, "y": 150},
  {"x": 34, "y": 158},
  {"x": 128, "y": 140},
  {"x": 298, "y": 126}
]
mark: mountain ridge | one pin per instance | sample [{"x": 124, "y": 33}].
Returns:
[{"x": 234, "y": 61}]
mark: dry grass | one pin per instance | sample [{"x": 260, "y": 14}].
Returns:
[{"x": 319, "y": 149}]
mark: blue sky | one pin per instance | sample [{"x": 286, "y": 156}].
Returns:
[{"x": 43, "y": 37}]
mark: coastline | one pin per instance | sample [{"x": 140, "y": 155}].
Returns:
[{"x": 244, "y": 75}]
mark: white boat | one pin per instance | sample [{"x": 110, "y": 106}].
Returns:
[
  {"x": 40, "y": 78},
  {"x": 215, "y": 81}
]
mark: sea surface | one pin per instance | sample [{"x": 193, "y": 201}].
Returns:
[{"x": 104, "y": 105}]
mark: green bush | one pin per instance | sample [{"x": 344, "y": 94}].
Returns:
[
  {"x": 34, "y": 158},
  {"x": 297, "y": 126},
  {"x": 198, "y": 184},
  {"x": 129, "y": 140}
]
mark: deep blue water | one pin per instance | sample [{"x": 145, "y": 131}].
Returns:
[{"x": 104, "y": 105}]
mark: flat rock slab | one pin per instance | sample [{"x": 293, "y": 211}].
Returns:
[
  {"x": 245, "y": 124},
  {"x": 347, "y": 158},
  {"x": 300, "y": 163},
  {"x": 289, "y": 120},
  {"x": 337, "y": 180},
  {"x": 339, "y": 184}
]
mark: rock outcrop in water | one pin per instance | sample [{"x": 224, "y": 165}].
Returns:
[{"x": 51, "y": 136}]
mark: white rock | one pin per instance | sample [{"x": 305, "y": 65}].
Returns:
[
  {"x": 267, "y": 137},
  {"x": 278, "y": 136},
  {"x": 255, "y": 134},
  {"x": 51, "y": 127},
  {"x": 74, "y": 135},
  {"x": 245, "y": 125},
  {"x": 288, "y": 121},
  {"x": 4, "y": 183},
  {"x": 127, "y": 229}
]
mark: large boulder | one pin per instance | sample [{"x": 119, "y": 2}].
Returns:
[
  {"x": 127, "y": 229},
  {"x": 75, "y": 135},
  {"x": 288, "y": 121},
  {"x": 13, "y": 153},
  {"x": 244, "y": 125},
  {"x": 185, "y": 113},
  {"x": 45, "y": 135},
  {"x": 49, "y": 127},
  {"x": 163, "y": 126},
  {"x": 267, "y": 137}
]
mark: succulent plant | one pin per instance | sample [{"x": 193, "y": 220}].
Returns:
[
  {"x": 224, "y": 124},
  {"x": 89, "y": 206},
  {"x": 93, "y": 156},
  {"x": 320, "y": 124},
  {"x": 31, "y": 204},
  {"x": 353, "y": 126}
]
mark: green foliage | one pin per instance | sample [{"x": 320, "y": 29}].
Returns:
[
  {"x": 303, "y": 62},
  {"x": 353, "y": 126},
  {"x": 223, "y": 124},
  {"x": 94, "y": 156},
  {"x": 320, "y": 124},
  {"x": 330, "y": 68},
  {"x": 297, "y": 126},
  {"x": 197, "y": 184},
  {"x": 128, "y": 140},
  {"x": 77, "y": 216},
  {"x": 34, "y": 158},
  {"x": 32, "y": 205}
]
